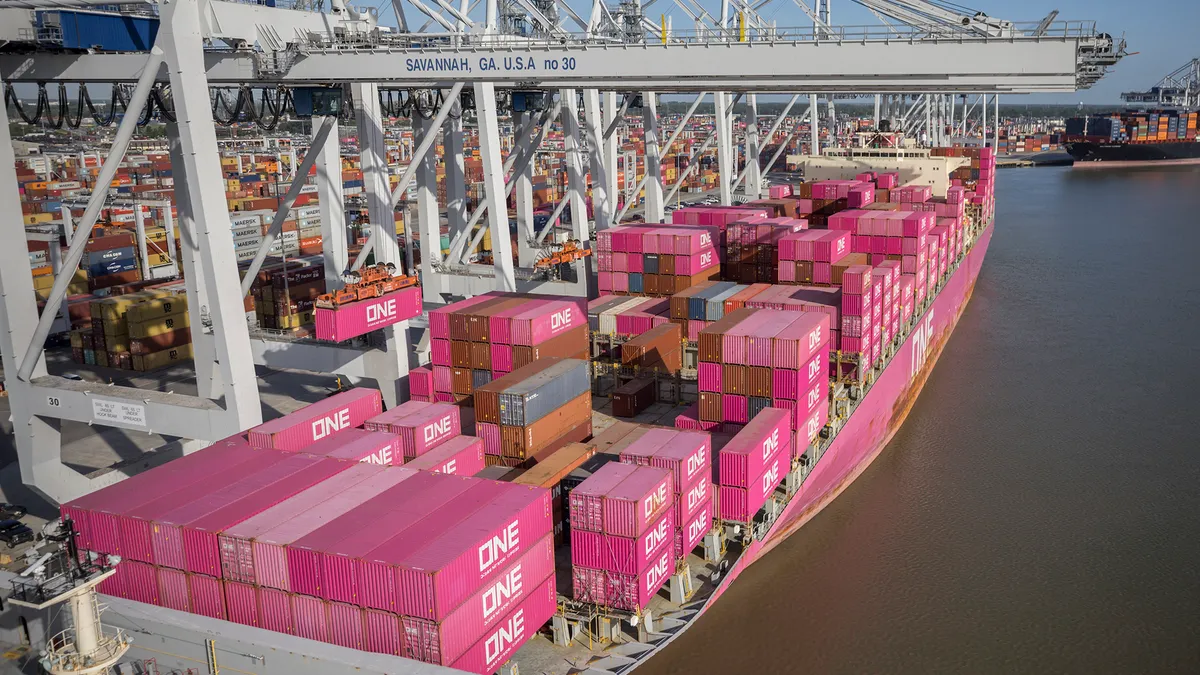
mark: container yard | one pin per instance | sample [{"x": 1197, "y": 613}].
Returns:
[{"x": 468, "y": 280}]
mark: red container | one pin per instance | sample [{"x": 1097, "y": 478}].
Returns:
[
  {"x": 361, "y": 317},
  {"x": 689, "y": 535},
  {"x": 461, "y": 455},
  {"x": 751, "y": 450},
  {"x": 586, "y": 501},
  {"x": 422, "y": 430},
  {"x": 310, "y": 424},
  {"x": 623, "y": 555},
  {"x": 383, "y": 634},
  {"x": 207, "y": 596},
  {"x": 360, "y": 445},
  {"x": 434, "y": 580},
  {"x": 740, "y": 504},
  {"x": 346, "y": 625},
  {"x": 630, "y": 507},
  {"x": 311, "y": 617},
  {"x": 498, "y": 645},
  {"x": 685, "y": 454},
  {"x": 275, "y": 610},
  {"x": 624, "y": 591},
  {"x": 443, "y": 642}
]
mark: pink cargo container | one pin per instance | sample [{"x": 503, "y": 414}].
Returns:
[
  {"x": 545, "y": 321},
  {"x": 831, "y": 246},
  {"x": 439, "y": 319},
  {"x": 361, "y": 317},
  {"x": 346, "y": 627},
  {"x": 383, "y": 634},
  {"x": 502, "y": 358},
  {"x": 97, "y": 515},
  {"x": 359, "y": 445},
  {"x": 690, "y": 534},
  {"x": 803, "y": 337},
  {"x": 439, "y": 352},
  {"x": 311, "y": 617},
  {"x": 305, "y": 552},
  {"x": 635, "y": 503},
  {"x": 207, "y": 596},
  {"x": 241, "y": 600},
  {"x": 624, "y": 591},
  {"x": 423, "y": 430},
  {"x": 443, "y": 642},
  {"x": 685, "y": 454},
  {"x": 752, "y": 449},
  {"x": 497, "y": 646},
  {"x": 586, "y": 501},
  {"x": 692, "y": 497},
  {"x": 357, "y": 569},
  {"x": 172, "y": 589},
  {"x": 461, "y": 455},
  {"x": 710, "y": 376},
  {"x": 623, "y": 555},
  {"x": 252, "y": 551},
  {"x": 275, "y": 610},
  {"x": 434, "y": 580},
  {"x": 383, "y": 421},
  {"x": 740, "y": 504},
  {"x": 420, "y": 381},
  {"x": 312, "y": 423},
  {"x": 489, "y": 433}
]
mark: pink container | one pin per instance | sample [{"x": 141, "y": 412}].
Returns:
[
  {"x": 685, "y": 454},
  {"x": 692, "y": 498},
  {"x": 856, "y": 280},
  {"x": 500, "y": 324},
  {"x": 549, "y": 320},
  {"x": 362, "y": 317},
  {"x": 623, "y": 591},
  {"x": 437, "y": 578},
  {"x": 630, "y": 507},
  {"x": 360, "y": 445},
  {"x": 172, "y": 589},
  {"x": 502, "y": 358},
  {"x": 275, "y": 610},
  {"x": 498, "y": 645},
  {"x": 382, "y": 421},
  {"x": 443, "y": 642},
  {"x": 623, "y": 555},
  {"x": 420, "y": 381},
  {"x": 831, "y": 246},
  {"x": 752, "y": 449},
  {"x": 604, "y": 282},
  {"x": 310, "y": 424},
  {"x": 363, "y": 569},
  {"x": 439, "y": 319},
  {"x": 140, "y": 581},
  {"x": 802, "y": 338},
  {"x": 461, "y": 455},
  {"x": 441, "y": 379},
  {"x": 735, "y": 408},
  {"x": 382, "y": 632},
  {"x": 266, "y": 563},
  {"x": 242, "y": 602},
  {"x": 689, "y": 420},
  {"x": 586, "y": 501},
  {"x": 690, "y": 534},
  {"x": 346, "y": 625},
  {"x": 808, "y": 427},
  {"x": 311, "y": 616},
  {"x": 759, "y": 344},
  {"x": 740, "y": 504},
  {"x": 422, "y": 430},
  {"x": 784, "y": 383},
  {"x": 439, "y": 352},
  {"x": 490, "y": 434},
  {"x": 735, "y": 343},
  {"x": 207, "y": 595}
]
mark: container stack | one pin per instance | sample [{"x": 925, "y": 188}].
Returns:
[
  {"x": 141, "y": 331},
  {"x": 751, "y": 248},
  {"x": 756, "y": 359},
  {"x": 688, "y": 456},
  {"x": 622, "y": 525},
  {"x": 285, "y": 297},
  {"x": 420, "y": 384},
  {"x": 461, "y": 456},
  {"x": 348, "y": 410},
  {"x": 420, "y": 427},
  {"x": 655, "y": 260},
  {"x": 754, "y": 463},
  {"x": 550, "y": 473},
  {"x": 858, "y": 316},
  {"x": 534, "y": 411},
  {"x": 483, "y": 338},
  {"x": 814, "y": 257}
]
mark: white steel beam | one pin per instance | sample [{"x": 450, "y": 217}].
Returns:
[
  {"x": 576, "y": 177},
  {"x": 493, "y": 184},
  {"x": 666, "y": 147},
  {"x": 753, "y": 149},
  {"x": 593, "y": 128},
  {"x": 653, "y": 180},
  {"x": 724, "y": 133},
  {"x": 613, "y": 116},
  {"x": 522, "y": 187},
  {"x": 456, "y": 186},
  {"x": 373, "y": 155},
  {"x": 428, "y": 223},
  {"x": 335, "y": 255},
  {"x": 814, "y": 127}
]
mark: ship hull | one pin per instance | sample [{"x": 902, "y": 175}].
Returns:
[
  {"x": 1090, "y": 155},
  {"x": 879, "y": 416}
]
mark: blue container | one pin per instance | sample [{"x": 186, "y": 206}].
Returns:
[
  {"x": 80, "y": 29},
  {"x": 650, "y": 263},
  {"x": 635, "y": 282},
  {"x": 698, "y": 303},
  {"x": 111, "y": 267},
  {"x": 352, "y": 183}
]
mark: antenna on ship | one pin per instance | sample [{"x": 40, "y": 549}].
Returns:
[{"x": 86, "y": 647}]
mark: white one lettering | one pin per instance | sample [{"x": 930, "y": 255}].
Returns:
[
  {"x": 814, "y": 367},
  {"x": 814, "y": 338},
  {"x": 771, "y": 445},
  {"x": 698, "y": 493},
  {"x": 327, "y": 425},
  {"x": 504, "y": 637},
  {"x": 437, "y": 429},
  {"x": 813, "y": 425},
  {"x": 560, "y": 320},
  {"x": 920, "y": 344},
  {"x": 705, "y": 258},
  {"x": 494, "y": 549},
  {"x": 657, "y": 573},
  {"x": 450, "y": 467},
  {"x": 654, "y": 500},
  {"x": 656, "y": 536},
  {"x": 770, "y": 479},
  {"x": 696, "y": 462},
  {"x": 383, "y": 456},
  {"x": 384, "y": 311},
  {"x": 814, "y": 395},
  {"x": 506, "y": 588},
  {"x": 698, "y": 526}
]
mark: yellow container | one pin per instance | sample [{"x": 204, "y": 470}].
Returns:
[
  {"x": 147, "y": 362},
  {"x": 157, "y": 308},
  {"x": 37, "y": 218},
  {"x": 296, "y": 320},
  {"x": 43, "y": 282},
  {"x": 159, "y": 326}
]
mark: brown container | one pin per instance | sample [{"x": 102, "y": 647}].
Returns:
[
  {"x": 479, "y": 316},
  {"x": 487, "y": 397},
  {"x": 804, "y": 272},
  {"x": 710, "y": 406},
  {"x": 618, "y": 436},
  {"x": 109, "y": 280},
  {"x": 529, "y": 440},
  {"x": 738, "y": 300},
  {"x": 108, "y": 242},
  {"x": 884, "y": 204},
  {"x": 666, "y": 265},
  {"x": 761, "y": 383},
  {"x": 734, "y": 379},
  {"x": 650, "y": 284},
  {"x": 549, "y": 472},
  {"x": 804, "y": 190},
  {"x": 633, "y": 397},
  {"x": 460, "y": 381},
  {"x": 567, "y": 345},
  {"x": 481, "y": 355},
  {"x": 679, "y": 301},
  {"x": 711, "y": 336},
  {"x": 157, "y": 343},
  {"x": 460, "y": 354},
  {"x": 839, "y": 268},
  {"x": 460, "y": 321},
  {"x": 653, "y": 349}
]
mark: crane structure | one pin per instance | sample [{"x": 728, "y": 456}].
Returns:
[
  {"x": 1179, "y": 89},
  {"x": 541, "y": 63}
]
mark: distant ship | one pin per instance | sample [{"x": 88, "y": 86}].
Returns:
[{"x": 1132, "y": 138}]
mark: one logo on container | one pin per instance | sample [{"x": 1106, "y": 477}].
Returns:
[
  {"x": 654, "y": 500},
  {"x": 560, "y": 320},
  {"x": 323, "y": 426},
  {"x": 497, "y": 548},
  {"x": 438, "y": 429},
  {"x": 698, "y": 525},
  {"x": 696, "y": 462},
  {"x": 497, "y": 598},
  {"x": 656, "y": 536},
  {"x": 698, "y": 493},
  {"x": 381, "y": 312},
  {"x": 499, "y": 642},
  {"x": 770, "y": 446},
  {"x": 770, "y": 478},
  {"x": 657, "y": 573},
  {"x": 920, "y": 341}
]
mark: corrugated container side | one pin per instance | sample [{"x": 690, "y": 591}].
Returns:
[
  {"x": 461, "y": 455},
  {"x": 242, "y": 602},
  {"x": 632, "y": 506},
  {"x": 740, "y": 504},
  {"x": 586, "y": 502},
  {"x": 172, "y": 589},
  {"x": 275, "y": 610},
  {"x": 359, "y": 318},
  {"x": 311, "y": 617},
  {"x": 208, "y": 596},
  {"x": 623, "y": 591},
  {"x": 691, "y": 533},
  {"x": 745, "y": 456},
  {"x": 297, "y": 430},
  {"x": 346, "y": 625},
  {"x": 498, "y": 645},
  {"x": 383, "y": 633},
  {"x": 624, "y": 555}
]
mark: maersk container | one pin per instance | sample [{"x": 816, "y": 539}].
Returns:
[
  {"x": 498, "y": 645},
  {"x": 524, "y": 403},
  {"x": 101, "y": 31},
  {"x": 622, "y": 555},
  {"x": 748, "y": 453},
  {"x": 310, "y": 424},
  {"x": 740, "y": 504},
  {"x": 637, "y": 501},
  {"x": 376, "y": 571},
  {"x": 461, "y": 455},
  {"x": 359, "y": 318},
  {"x": 686, "y": 454},
  {"x": 629, "y": 592},
  {"x": 443, "y": 642},
  {"x": 586, "y": 501}
]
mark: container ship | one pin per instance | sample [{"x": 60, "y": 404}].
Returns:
[
  {"x": 1132, "y": 138},
  {"x": 762, "y": 356}
]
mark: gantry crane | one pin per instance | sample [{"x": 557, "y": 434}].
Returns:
[{"x": 1179, "y": 89}]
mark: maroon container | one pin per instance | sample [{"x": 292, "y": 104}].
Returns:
[
  {"x": 435, "y": 579},
  {"x": 358, "y": 318},
  {"x": 499, "y": 644},
  {"x": 443, "y": 642},
  {"x": 461, "y": 455},
  {"x": 310, "y": 424}
]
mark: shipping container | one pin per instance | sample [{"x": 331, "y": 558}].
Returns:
[
  {"x": 461, "y": 455},
  {"x": 363, "y": 316},
  {"x": 310, "y": 424},
  {"x": 530, "y": 400},
  {"x": 686, "y": 454},
  {"x": 753, "y": 448},
  {"x": 497, "y": 646},
  {"x": 630, "y": 592},
  {"x": 741, "y": 504},
  {"x": 421, "y": 430},
  {"x": 623, "y": 555}
]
